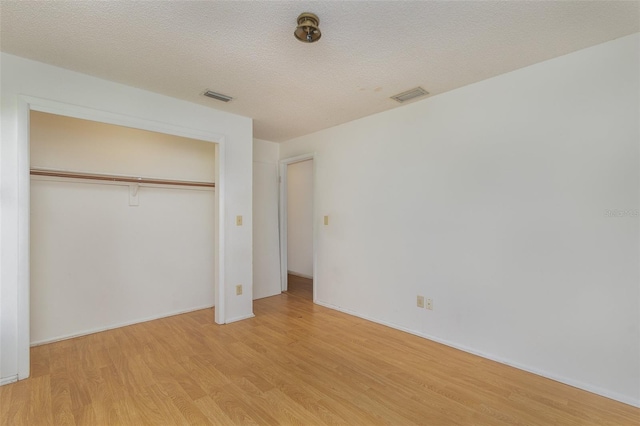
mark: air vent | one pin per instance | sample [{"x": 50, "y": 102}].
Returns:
[
  {"x": 218, "y": 96},
  {"x": 410, "y": 94}
]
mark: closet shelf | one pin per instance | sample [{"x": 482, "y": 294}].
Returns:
[{"x": 115, "y": 178}]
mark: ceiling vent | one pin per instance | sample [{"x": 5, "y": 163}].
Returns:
[
  {"x": 218, "y": 96},
  {"x": 410, "y": 94}
]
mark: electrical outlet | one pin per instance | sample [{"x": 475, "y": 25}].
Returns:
[
  {"x": 238, "y": 289},
  {"x": 238, "y": 220},
  {"x": 430, "y": 304},
  {"x": 420, "y": 301},
  {"x": 326, "y": 220}
]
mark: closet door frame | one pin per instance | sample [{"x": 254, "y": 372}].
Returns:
[{"x": 26, "y": 104}]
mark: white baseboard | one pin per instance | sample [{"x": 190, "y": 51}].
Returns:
[
  {"x": 118, "y": 325},
  {"x": 576, "y": 384},
  {"x": 267, "y": 295},
  {"x": 7, "y": 380},
  {"x": 299, "y": 274},
  {"x": 240, "y": 318}
]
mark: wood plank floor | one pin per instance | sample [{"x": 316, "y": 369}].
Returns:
[
  {"x": 299, "y": 286},
  {"x": 295, "y": 363}
]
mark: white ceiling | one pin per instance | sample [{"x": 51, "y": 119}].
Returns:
[{"x": 368, "y": 50}]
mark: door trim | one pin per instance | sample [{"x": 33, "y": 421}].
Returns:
[
  {"x": 30, "y": 103},
  {"x": 283, "y": 218}
]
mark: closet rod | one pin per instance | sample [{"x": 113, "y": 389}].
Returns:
[{"x": 112, "y": 178}]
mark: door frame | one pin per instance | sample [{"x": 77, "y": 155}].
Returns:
[
  {"x": 283, "y": 164},
  {"x": 26, "y": 104}
]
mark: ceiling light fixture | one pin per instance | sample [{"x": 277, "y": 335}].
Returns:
[{"x": 307, "y": 30}]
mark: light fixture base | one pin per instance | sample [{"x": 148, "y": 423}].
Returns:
[{"x": 307, "y": 30}]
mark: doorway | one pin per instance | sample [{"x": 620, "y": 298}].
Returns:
[
  {"x": 122, "y": 226},
  {"x": 297, "y": 226},
  {"x": 27, "y": 104}
]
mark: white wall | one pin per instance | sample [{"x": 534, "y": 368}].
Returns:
[
  {"x": 60, "y": 142},
  {"x": 98, "y": 262},
  {"x": 117, "y": 103},
  {"x": 266, "y": 247},
  {"x": 300, "y": 218},
  {"x": 491, "y": 199}
]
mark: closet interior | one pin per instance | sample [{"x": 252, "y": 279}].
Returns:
[{"x": 121, "y": 226}]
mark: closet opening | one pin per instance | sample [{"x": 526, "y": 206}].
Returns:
[{"x": 123, "y": 226}]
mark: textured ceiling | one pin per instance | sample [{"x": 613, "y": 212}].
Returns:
[{"x": 368, "y": 50}]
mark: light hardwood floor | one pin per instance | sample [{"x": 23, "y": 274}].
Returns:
[
  {"x": 295, "y": 363},
  {"x": 299, "y": 286}
]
